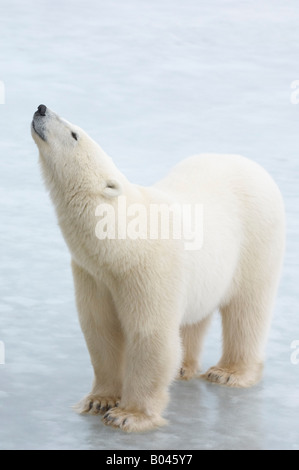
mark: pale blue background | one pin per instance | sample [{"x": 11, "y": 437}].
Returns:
[{"x": 153, "y": 82}]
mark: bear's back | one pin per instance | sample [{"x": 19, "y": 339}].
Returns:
[{"x": 220, "y": 177}]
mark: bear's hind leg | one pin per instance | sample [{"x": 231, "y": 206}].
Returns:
[
  {"x": 192, "y": 339},
  {"x": 245, "y": 324}
]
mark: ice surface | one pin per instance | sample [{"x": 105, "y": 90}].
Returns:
[{"x": 153, "y": 82}]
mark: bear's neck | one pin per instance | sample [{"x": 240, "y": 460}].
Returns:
[{"x": 75, "y": 200}]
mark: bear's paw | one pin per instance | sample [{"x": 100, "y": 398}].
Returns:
[
  {"x": 132, "y": 421},
  {"x": 233, "y": 376},
  {"x": 188, "y": 372},
  {"x": 95, "y": 404}
]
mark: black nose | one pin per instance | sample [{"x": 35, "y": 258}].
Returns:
[{"x": 42, "y": 109}]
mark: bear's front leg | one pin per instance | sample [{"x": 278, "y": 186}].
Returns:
[
  {"x": 150, "y": 324},
  {"x": 151, "y": 363},
  {"x": 104, "y": 340}
]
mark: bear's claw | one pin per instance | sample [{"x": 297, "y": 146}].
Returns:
[
  {"x": 234, "y": 376},
  {"x": 93, "y": 404},
  {"x": 131, "y": 421}
]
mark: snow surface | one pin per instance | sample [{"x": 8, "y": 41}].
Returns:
[{"x": 153, "y": 82}]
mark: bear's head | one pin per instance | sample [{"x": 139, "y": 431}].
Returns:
[{"x": 70, "y": 158}]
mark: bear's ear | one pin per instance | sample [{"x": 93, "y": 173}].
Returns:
[{"x": 112, "y": 189}]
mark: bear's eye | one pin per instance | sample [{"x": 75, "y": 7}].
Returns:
[{"x": 74, "y": 135}]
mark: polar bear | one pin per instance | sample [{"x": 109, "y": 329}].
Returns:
[{"x": 145, "y": 302}]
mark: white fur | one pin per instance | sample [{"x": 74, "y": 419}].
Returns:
[{"x": 144, "y": 305}]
